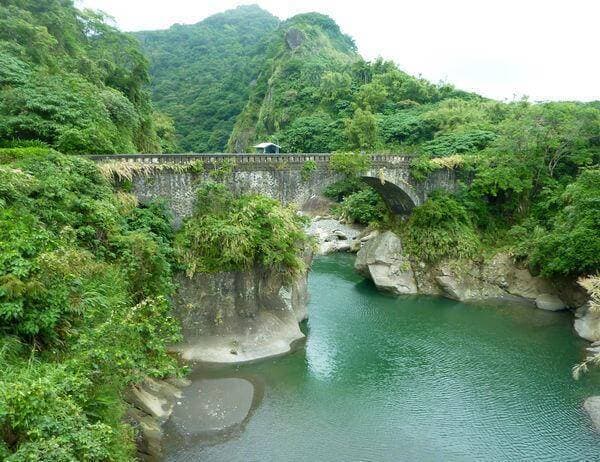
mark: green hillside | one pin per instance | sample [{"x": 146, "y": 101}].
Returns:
[
  {"x": 70, "y": 80},
  {"x": 202, "y": 73}
]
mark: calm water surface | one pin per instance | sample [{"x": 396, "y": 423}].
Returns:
[{"x": 383, "y": 378}]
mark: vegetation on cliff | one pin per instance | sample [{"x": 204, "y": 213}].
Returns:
[
  {"x": 70, "y": 80},
  {"x": 85, "y": 279},
  {"x": 229, "y": 233}
]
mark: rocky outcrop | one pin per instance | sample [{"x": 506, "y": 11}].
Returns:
[
  {"x": 294, "y": 38},
  {"x": 587, "y": 323},
  {"x": 499, "y": 278},
  {"x": 549, "y": 302},
  {"x": 151, "y": 404},
  {"x": 333, "y": 236},
  {"x": 216, "y": 405},
  {"x": 235, "y": 317},
  {"x": 382, "y": 260}
]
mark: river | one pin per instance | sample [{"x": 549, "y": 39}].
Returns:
[{"x": 383, "y": 378}]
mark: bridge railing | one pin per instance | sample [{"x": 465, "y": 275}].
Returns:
[{"x": 291, "y": 158}]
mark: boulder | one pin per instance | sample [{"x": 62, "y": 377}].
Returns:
[
  {"x": 333, "y": 236},
  {"x": 212, "y": 405},
  {"x": 587, "y": 324},
  {"x": 592, "y": 407},
  {"x": 381, "y": 260},
  {"x": 549, "y": 302}
]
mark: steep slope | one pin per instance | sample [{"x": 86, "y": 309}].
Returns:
[
  {"x": 69, "y": 79},
  {"x": 301, "y": 53},
  {"x": 202, "y": 73}
]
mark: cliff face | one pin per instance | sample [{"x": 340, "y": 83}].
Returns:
[{"x": 235, "y": 317}]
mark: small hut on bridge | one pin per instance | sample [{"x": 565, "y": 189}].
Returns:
[{"x": 267, "y": 148}]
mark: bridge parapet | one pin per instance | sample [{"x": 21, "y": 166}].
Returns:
[
  {"x": 292, "y": 159},
  {"x": 280, "y": 176}
]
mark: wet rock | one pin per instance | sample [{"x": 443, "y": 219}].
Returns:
[
  {"x": 381, "y": 259},
  {"x": 152, "y": 402},
  {"x": 592, "y": 407},
  {"x": 549, "y": 302},
  {"x": 213, "y": 405}
]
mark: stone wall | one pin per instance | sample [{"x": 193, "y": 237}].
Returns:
[{"x": 278, "y": 176}]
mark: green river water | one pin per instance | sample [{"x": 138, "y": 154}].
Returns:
[{"x": 383, "y": 378}]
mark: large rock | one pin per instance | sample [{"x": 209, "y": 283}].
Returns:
[
  {"x": 382, "y": 260},
  {"x": 549, "y": 302},
  {"x": 587, "y": 324},
  {"x": 462, "y": 282},
  {"x": 241, "y": 316},
  {"x": 151, "y": 404},
  {"x": 333, "y": 236},
  {"x": 212, "y": 405},
  {"x": 592, "y": 407}
]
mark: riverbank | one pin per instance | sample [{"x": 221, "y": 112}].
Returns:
[{"x": 413, "y": 377}]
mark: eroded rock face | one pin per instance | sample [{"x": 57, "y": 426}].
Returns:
[
  {"x": 499, "y": 279},
  {"x": 382, "y": 260},
  {"x": 235, "y": 317},
  {"x": 294, "y": 38},
  {"x": 151, "y": 404},
  {"x": 549, "y": 302}
]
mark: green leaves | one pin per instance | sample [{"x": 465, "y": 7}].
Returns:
[
  {"x": 229, "y": 233},
  {"x": 84, "y": 310}
]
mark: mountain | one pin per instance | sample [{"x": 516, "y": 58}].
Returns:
[
  {"x": 242, "y": 76},
  {"x": 72, "y": 81},
  {"x": 202, "y": 74}
]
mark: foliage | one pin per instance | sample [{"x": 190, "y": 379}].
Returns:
[
  {"x": 349, "y": 164},
  {"x": 343, "y": 188},
  {"x": 441, "y": 228},
  {"x": 592, "y": 285},
  {"x": 572, "y": 245},
  {"x": 307, "y": 170},
  {"x": 364, "y": 207},
  {"x": 71, "y": 80},
  {"x": 85, "y": 277},
  {"x": 228, "y": 233},
  {"x": 201, "y": 73},
  {"x": 361, "y": 130}
]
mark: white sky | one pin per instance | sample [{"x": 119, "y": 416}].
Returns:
[{"x": 545, "y": 49}]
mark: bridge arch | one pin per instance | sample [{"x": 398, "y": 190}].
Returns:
[{"x": 401, "y": 199}]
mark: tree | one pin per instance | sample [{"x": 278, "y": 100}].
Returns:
[{"x": 361, "y": 130}]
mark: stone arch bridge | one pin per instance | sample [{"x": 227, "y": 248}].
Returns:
[{"x": 174, "y": 177}]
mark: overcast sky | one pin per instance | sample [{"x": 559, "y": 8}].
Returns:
[{"x": 544, "y": 49}]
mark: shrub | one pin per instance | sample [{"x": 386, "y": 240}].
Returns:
[
  {"x": 308, "y": 168},
  {"x": 571, "y": 246},
  {"x": 441, "y": 228},
  {"x": 349, "y": 164},
  {"x": 364, "y": 207},
  {"x": 229, "y": 233}
]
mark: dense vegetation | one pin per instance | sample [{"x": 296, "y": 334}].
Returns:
[
  {"x": 69, "y": 79},
  {"x": 85, "y": 273},
  {"x": 202, "y": 74},
  {"x": 85, "y": 277},
  {"x": 228, "y": 233}
]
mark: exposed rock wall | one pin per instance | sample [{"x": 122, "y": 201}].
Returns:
[
  {"x": 234, "y": 317},
  {"x": 498, "y": 278}
]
